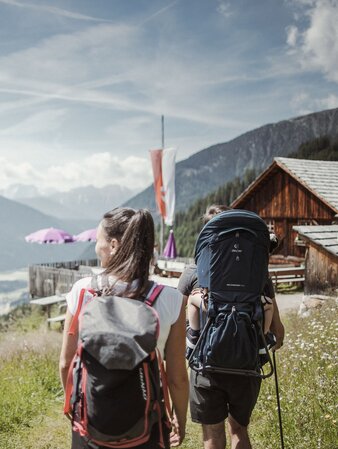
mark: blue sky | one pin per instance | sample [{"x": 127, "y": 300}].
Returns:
[{"x": 83, "y": 83}]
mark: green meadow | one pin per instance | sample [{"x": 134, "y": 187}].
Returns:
[{"x": 31, "y": 396}]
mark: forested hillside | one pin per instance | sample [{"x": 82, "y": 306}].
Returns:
[
  {"x": 188, "y": 223},
  {"x": 323, "y": 148}
]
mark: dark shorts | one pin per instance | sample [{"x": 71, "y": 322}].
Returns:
[
  {"x": 212, "y": 398},
  {"x": 79, "y": 443}
]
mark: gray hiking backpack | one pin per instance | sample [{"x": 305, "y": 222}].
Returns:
[{"x": 116, "y": 390}]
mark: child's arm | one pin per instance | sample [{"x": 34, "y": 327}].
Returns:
[
  {"x": 194, "y": 303},
  {"x": 268, "y": 314}
]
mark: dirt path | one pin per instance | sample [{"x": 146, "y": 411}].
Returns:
[{"x": 287, "y": 302}]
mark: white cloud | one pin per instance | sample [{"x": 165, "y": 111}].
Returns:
[
  {"x": 98, "y": 169},
  {"x": 53, "y": 10},
  {"x": 19, "y": 104},
  {"x": 39, "y": 123},
  {"x": 57, "y": 68},
  {"x": 63, "y": 58},
  {"x": 302, "y": 103},
  {"x": 306, "y": 102},
  {"x": 299, "y": 99},
  {"x": 292, "y": 35},
  {"x": 224, "y": 8},
  {"x": 329, "y": 102},
  {"x": 17, "y": 172},
  {"x": 160, "y": 11},
  {"x": 317, "y": 48}
]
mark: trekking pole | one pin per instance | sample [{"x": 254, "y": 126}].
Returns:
[{"x": 278, "y": 401}]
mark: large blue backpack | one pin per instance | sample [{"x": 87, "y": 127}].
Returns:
[{"x": 232, "y": 255}]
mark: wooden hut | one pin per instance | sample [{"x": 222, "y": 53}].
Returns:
[
  {"x": 321, "y": 262},
  {"x": 293, "y": 192}
]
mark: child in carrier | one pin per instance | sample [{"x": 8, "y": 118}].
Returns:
[{"x": 198, "y": 299}]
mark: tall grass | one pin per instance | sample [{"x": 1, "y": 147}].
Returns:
[
  {"x": 31, "y": 399},
  {"x": 307, "y": 372},
  {"x": 29, "y": 385}
]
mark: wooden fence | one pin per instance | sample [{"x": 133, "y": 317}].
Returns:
[{"x": 57, "y": 278}]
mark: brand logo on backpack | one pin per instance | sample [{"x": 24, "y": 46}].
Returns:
[
  {"x": 142, "y": 383},
  {"x": 236, "y": 249}
]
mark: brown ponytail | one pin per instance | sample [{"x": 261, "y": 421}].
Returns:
[{"x": 134, "y": 230}]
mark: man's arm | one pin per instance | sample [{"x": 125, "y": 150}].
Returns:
[{"x": 277, "y": 327}]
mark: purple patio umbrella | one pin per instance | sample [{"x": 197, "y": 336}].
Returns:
[
  {"x": 49, "y": 235},
  {"x": 86, "y": 236},
  {"x": 170, "y": 247}
]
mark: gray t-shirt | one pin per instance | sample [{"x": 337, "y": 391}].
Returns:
[{"x": 188, "y": 280}]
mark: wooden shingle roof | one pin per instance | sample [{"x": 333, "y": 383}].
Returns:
[
  {"x": 323, "y": 236},
  {"x": 320, "y": 177}
]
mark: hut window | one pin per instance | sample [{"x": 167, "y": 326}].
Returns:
[{"x": 271, "y": 225}]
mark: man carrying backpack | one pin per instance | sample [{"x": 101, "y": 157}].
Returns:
[{"x": 217, "y": 396}]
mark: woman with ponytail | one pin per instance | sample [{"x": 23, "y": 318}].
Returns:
[{"x": 125, "y": 244}]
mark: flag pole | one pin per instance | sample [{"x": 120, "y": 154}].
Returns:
[{"x": 162, "y": 219}]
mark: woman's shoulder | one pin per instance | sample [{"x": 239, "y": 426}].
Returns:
[
  {"x": 72, "y": 297},
  {"x": 85, "y": 282},
  {"x": 169, "y": 304}
]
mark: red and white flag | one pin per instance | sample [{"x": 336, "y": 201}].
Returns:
[{"x": 163, "y": 163}]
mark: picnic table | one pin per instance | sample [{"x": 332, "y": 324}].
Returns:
[{"x": 47, "y": 303}]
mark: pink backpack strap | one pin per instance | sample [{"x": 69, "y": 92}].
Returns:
[{"x": 156, "y": 290}]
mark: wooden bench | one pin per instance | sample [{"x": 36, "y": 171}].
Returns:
[
  {"x": 47, "y": 303},
  {"x": 287, "y": 275},
  {"x": 57, "y": 319}
]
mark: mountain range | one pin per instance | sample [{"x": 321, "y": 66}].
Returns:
[
  {"x": 206, "y": 170},
  {"x": 80, "y": 203}
]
